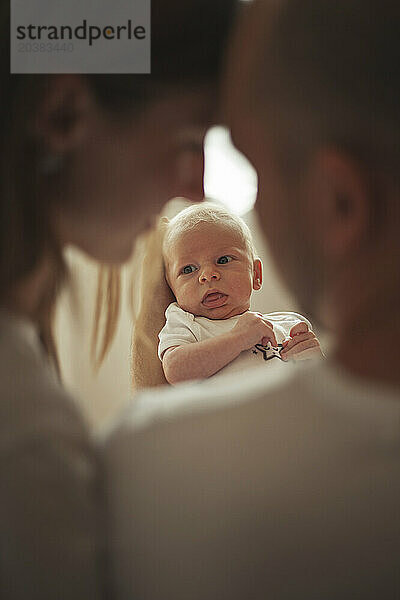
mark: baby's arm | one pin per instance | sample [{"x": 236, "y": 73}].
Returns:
[
  {"x": 203, "y": 359},
  {"x": 200, "y": 359}
]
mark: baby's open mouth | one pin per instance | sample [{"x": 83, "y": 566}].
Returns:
[{"x": 214, "y": 299}]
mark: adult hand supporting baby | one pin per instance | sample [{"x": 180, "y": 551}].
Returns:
[
  {"x": 155, "y": 296},
  {"x": 302, "y": 345}
]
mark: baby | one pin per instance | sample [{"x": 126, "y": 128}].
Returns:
[{"x": 212, "y": 268}]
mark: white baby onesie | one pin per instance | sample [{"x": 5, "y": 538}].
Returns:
[{"x": 182, "y": 327}]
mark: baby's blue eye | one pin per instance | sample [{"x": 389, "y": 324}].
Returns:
[
  {"x": 223, "y": 260},
  {"x": 188, "y": 269}
]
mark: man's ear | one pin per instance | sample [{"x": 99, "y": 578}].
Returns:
[
  {"x": 341, "y": 202},
  {"x": 61, "y": 120},
  {"x": 257, "y": 274}
]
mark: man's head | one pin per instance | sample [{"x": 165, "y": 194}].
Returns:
[
  {"x": 312, "y": 95},
  {"x": 210, "y": 261}
]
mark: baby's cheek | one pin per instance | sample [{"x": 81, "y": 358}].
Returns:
[
  {"x": 179, "y": 296},
  {"x": 244, "y": 286},
  {"x": 184, "y": 296}
]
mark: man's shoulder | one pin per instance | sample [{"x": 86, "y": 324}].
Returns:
[
  {"x": 244, "y": 470},
  {"x": 204, "y": 399},
  {"x": 298, "y": 396}
]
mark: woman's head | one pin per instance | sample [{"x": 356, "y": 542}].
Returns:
[{"x": 89, "y": 159}]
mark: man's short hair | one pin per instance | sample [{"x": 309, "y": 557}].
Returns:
[{"x": 330, "y": 68}]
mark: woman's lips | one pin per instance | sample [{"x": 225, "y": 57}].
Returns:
[{"x": 214, "y": 299}]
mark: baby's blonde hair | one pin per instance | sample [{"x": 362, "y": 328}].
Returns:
[{"x": 207, "y": 212}]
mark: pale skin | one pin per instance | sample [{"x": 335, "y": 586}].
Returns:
[{"x": 213, "y": 257}]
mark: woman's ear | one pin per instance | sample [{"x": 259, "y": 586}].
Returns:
[
  {"x": 257, "y": 274},
  {"x": 62, "y": 117}
]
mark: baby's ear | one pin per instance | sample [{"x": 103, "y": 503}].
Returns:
[
  {"x": 257, "y": 274},
  {"x": 161, "y": 229},
  {"x": 163, "y": 221}
]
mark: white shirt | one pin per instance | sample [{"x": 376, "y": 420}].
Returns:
[
  {"x": 182, "y": 327},
  {"x": 282, "y": 484},
  {"x": 50, "y": 533}
]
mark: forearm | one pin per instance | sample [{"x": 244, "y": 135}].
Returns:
[
  {"x": 201, "y": 359},
  {"x": 146, "y": 368}
]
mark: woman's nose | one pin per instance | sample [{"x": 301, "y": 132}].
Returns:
[{"x": 209, "y": 275}]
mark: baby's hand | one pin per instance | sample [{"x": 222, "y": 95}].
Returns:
[
  {"x": 252, "y": 329},
  {"x": 303, "y": 344}
]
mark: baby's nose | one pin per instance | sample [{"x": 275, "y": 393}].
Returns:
[{"x": 209, "y": 275}]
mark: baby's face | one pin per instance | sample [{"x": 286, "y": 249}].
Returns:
[{"x": 210, "y": 271}]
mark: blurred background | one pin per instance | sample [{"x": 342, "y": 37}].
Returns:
[{"x": 229, "y": 178}]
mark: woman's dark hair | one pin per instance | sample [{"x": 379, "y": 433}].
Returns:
[{"x": 188, "y": 38}]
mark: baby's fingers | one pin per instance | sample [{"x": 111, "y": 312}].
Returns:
[
  {"x": 301, "y": 327},
  {"x": 300, "y": 337},
  {"x": 269, "y": 340},
  {"x": 269, "y": 335},
  {"x": 311, "y": 343}
]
